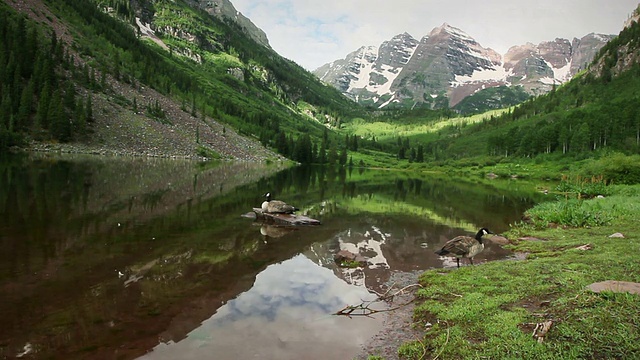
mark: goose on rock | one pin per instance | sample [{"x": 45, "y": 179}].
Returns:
[
  {"x": 464, "y": 246},
  {"x": 276, "y": 206}
]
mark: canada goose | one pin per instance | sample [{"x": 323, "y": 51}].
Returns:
[
  {"x": 464, "y": 246},
  {"x": 276, "y": 206}
]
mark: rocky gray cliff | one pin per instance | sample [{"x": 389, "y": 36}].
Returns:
[{"x": 225, "y": 9}]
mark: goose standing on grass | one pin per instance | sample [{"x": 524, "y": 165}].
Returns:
[
  {"x": 276, "y": 206},
  {"x": 464, "y": 246}
]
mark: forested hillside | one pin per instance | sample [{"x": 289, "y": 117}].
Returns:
[{"x": 58, "y": 57}]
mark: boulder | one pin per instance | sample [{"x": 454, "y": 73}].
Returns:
[{"x": 348, "y": 259}]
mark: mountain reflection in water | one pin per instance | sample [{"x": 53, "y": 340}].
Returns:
[{"x": 121, "y": 258}]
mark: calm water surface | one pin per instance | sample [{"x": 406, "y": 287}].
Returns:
[{"x": 106, "y": 258}]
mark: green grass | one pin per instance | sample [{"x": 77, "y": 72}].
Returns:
[
  {"x": 386, "y": 130},
  {"x": 490, "y": 311},
  {"x": 618, "y": 208}
]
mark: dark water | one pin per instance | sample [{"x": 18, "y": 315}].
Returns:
[{"x": 122, "y": 258}]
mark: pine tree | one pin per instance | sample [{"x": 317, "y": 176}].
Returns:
[
  {"x": 89, "y": 108},
  {"x": 5, "y": 110},
  {"x": 26, "y": 107},
  {"x": 302, "y": 151},
  {"x": 401, "y": 153},
  {"x": 42, "y": 111},
  {"x": 80, "y": 124},
  {"x": 59, "y": 122},
  {"x": 332, "y": 157},
  {"x": 420, "y": 155},
  {"x": 343, "y": 156},
  {"x": 322, "y": 154}
]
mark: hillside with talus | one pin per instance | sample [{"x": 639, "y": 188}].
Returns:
[
  {"x": 447, "y": 65},
  {"x": 154, "y": 78}
]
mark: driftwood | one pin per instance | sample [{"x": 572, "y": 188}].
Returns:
[
  {"x": 284, "y": 219},
  {"x": 364, "y": 308},
  {"x": 541, "y": 330}
]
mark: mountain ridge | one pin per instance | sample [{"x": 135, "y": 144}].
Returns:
[{"x": 447, "y": 65}]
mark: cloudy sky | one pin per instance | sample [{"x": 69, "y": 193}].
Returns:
[{"x": 315, "y": 32}]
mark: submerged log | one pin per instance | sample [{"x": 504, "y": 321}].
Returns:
[{"x": 284, "y": 219}]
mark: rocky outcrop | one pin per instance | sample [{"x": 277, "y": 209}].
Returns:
[{"x": 225, "y": 9}]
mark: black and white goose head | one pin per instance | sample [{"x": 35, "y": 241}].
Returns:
[{"x": 265, "y": 203}]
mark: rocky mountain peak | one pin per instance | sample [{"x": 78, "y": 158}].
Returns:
[
  {"x": 448, "y": 30},
  {"x": 447, "y": 65}
]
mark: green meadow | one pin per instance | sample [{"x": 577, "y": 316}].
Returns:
[{"x": 491, "y": 311}]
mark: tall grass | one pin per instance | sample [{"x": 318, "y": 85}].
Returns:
[
  {"x": 572, "y": 212},
  {"x": 583, "y": 187},
  {"x": 622, "y": 204}
]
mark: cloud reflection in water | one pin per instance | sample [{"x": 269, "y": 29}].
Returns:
[{"x": 285, "y": 315}]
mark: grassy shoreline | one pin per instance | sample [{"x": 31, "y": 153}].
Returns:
[{"x": 490, "y": 311}]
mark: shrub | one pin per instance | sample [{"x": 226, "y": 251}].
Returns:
[
  {"x": 584, "y": 187},
  {"x": 617, "y": 168}
]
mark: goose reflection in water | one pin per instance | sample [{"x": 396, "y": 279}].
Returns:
[{"x": 275, "y": 231}]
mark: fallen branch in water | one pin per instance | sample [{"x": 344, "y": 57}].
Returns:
[{"x": 364, "y": 308}]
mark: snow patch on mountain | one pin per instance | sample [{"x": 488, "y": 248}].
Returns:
[
  {"x": 499, "y": 73},
  {"x": 562, "y": 74},
  {"x": 369, "y": 68}
]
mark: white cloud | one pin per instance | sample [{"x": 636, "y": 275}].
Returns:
[{"x": 314, "y": 32}]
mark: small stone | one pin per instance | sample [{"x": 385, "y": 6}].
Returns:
[
  {"x": 530, "y": 238},
  {"x": 615, "y": 286},
  {"x": 498, "y": 239},
  {"x": 617, "y": 235}
]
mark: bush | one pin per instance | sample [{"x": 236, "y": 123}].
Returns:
[
  {"x": 616, "y": 168},
  {"x": 208, "y": 153},
  {"x": 584, "y": 187}
]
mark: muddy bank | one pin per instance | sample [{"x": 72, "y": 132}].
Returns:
[{"x": 398, "y": 324}]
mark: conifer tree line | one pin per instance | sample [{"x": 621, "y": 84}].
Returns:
[
  {"x": 38, "y": 97},
  {"x": 326, "y": 151}
]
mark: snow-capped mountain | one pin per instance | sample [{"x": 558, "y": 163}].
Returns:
[
  {"x": 448, "y": 65},
  {"x": 371, "y": 70}
]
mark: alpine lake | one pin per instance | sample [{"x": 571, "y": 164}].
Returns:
[{"x": 125, "y": 258}]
